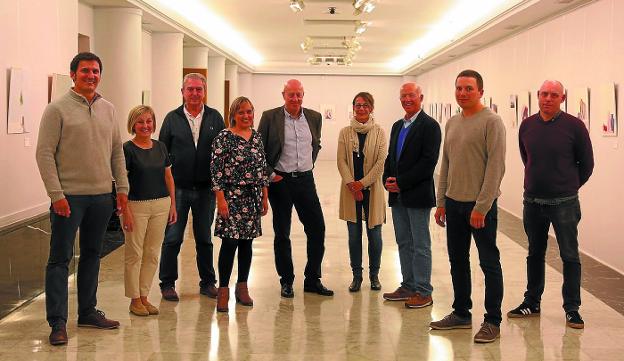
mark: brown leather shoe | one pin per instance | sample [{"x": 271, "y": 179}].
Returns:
[
  {"x": 138, "y": 310},
  {"x": 151, "y": 309},
  {"x": 58, "y": 336},
  {"x": 223, "y": 297},
  {"x": 97, "y": 319},
  {"x": 418, "y": 301},
  {"x": 169, "y": 294},
  {"x": 400, "y": 294},
  {"x": 242, "y": 294},
  {"x": 210, "y": 291}
]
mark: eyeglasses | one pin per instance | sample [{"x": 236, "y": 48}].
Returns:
[{"x": 357, "y": 105}]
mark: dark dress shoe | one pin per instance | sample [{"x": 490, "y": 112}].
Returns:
[
  {"x": 356, "y": 284},
  {"x": 58, "y": 336},
  {"x": 375, "y": 284},
  {"x": 210, "y": 291},
  {"x": 169, "y": 294},
  {"x": 287, "y": 291},
  {"x": 317, "y": 288}
]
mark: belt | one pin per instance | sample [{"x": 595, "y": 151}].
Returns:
[{"x": 294, "y": 174}]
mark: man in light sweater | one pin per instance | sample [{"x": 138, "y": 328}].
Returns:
[
  {"x": 558, "y": 159},
  {"x": 473, "y": 164},
  {"x": 79, "y": 153}
]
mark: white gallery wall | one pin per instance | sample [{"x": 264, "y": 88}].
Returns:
[
  {"x": 583, "y": 48},
  {"x": 266, "y": 93},
  {"x": 39, "y": 51}
]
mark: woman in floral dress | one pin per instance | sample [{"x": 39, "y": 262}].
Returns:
[{"x": 240, "y": 181}]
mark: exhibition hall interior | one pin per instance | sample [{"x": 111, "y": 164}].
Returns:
[{"x": 332, "y": 50}]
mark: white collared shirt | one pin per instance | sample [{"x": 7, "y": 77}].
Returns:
[
  {"x": 408, "y": 122},
  {"x": 194, "y": 123}
]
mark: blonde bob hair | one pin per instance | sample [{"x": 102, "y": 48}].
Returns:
[
  {"x": 134, "y": 115},
  {"x": 236, "y": 104}
]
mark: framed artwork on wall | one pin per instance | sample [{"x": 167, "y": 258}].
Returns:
[
  {"x": 578, "y": 104},
  {"x": 524, "y": 106},
  {"x": 16, "y": 120},
  {"x": 328, "y": 111},
  {"x": 607, "y": 110}
]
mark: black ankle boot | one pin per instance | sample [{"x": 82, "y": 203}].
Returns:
[{"x": 355, "y": 284}]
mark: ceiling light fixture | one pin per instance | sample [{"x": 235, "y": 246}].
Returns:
[
  {"x": 306, "y": 44},
  {"x": 456, "y": 22},
  {"x": 363, "y": 6},
  {"x": 361, "y": 27},
  {"x": 297, "y": 5},
  {"x": 196, "y": 16}
]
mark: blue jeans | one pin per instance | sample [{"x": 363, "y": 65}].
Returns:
[
  {"x": 565, "y": 218},
  {"x": 355, "y": 248},
  {"x": 458, "y": 235},
  {"x": 202, "y": 203},
  {"x": 91, "y": 214},
  {"x": 411, "y": 229}
]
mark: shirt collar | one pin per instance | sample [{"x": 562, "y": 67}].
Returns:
[
  {"x": 288, "y": 116},
  {"x": 190, "y": 116},
  {"x": 552, "y": 120},
  {"x": 410, "y": 120}
]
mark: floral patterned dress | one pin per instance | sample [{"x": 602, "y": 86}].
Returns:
[{"x": 238, "y": 168}]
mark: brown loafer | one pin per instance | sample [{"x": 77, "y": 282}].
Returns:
[
  {"x": 138, "y": 310},
  {"x": 151, "y": 309},
  {"x": 58, "y": 336}
]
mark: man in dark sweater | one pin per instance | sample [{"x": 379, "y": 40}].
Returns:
[
  {"x": 188, "y": 132},
  {"x": 558, "y": 159}
]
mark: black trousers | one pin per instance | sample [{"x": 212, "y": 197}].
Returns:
[
  {"x": 301, "y": 193},
  {"x": 458, "y": 237},
  {"x": 90, "y": 214}
]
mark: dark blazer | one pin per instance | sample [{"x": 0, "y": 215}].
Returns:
[
  {"x": 271, "y": 130},
  {"x": 190, "y": 166},
  {"x": 414, "y": 168}
]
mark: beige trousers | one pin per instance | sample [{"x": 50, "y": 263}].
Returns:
[{"x": 143, "y": 244}]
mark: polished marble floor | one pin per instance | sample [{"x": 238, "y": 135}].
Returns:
[{"x": 348, "y": 326}]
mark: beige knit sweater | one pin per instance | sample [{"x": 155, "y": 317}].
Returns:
[
  {"x": 375, "y": 152},
  {"x": 79, "y": 149}
]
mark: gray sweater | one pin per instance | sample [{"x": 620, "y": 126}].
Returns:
[
  {"x": 79, "y": 150},
  {"x": 473, "y": 160}
]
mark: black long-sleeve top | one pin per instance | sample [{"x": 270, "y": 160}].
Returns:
[{"x": 557, "y": 155}]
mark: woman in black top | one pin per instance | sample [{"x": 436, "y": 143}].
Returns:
[
  {"x": 240, "y": 183},
  {"x": 151, "y": 205}
]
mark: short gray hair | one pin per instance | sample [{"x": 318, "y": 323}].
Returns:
[{"x": 196, "y": 76}]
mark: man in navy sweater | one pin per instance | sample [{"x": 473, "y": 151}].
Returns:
[
  {"x": 558, "y": 159},
  {"x": 188, "y": 132}
]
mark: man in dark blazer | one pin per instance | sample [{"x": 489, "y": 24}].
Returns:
[
  {"x": 188, "y": 132},
  {"x": 292, "y": 139},
  {"x": 408, "y": 176}
]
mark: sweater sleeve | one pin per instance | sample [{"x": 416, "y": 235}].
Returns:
[
  {"x": 118, "y": 161},
  {"x": 443, "y": 179},
  {"x": 377, "y": 170},
  {"x": 49, "y": 137},
  {"x": 346, "y": 173},
  {"x": 584, "y": 155},
  {"x": 495, "y": 167}
]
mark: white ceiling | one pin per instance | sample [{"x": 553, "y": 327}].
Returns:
[{"x": 275, "y": 32}]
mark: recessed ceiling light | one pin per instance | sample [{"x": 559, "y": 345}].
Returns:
[{"x": 297, "y": 5}]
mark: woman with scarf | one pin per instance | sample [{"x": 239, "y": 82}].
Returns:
[{"x": 362, "y": 150}]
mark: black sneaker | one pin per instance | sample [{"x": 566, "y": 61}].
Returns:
[
  {"x": 574, "y": 320},
  {"x": 524, "y": 310}
]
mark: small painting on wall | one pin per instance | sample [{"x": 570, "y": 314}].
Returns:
[
  {"x": 328, "y": 111},
  {"x": 578, "y": 104},
  {"x": 606, "y": 109},
  {"x": 16, "y": 120}
]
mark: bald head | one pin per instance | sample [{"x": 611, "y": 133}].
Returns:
[
  {"x": 550, "y": 97},
  {"x": 293, "y": 96},
  {"x": 411, "y": 99}
]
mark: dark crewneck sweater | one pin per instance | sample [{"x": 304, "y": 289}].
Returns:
[{"x": 557, "y": 155}]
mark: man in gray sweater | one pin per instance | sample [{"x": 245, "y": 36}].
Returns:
[
  {"x": 472, "y": 168},
  {"x": 79, "y": 153}
]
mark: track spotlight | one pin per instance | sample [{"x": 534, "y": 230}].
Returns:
[
  {"x": 297, "y": 5},
  {"x": 363, "y": 6}
]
